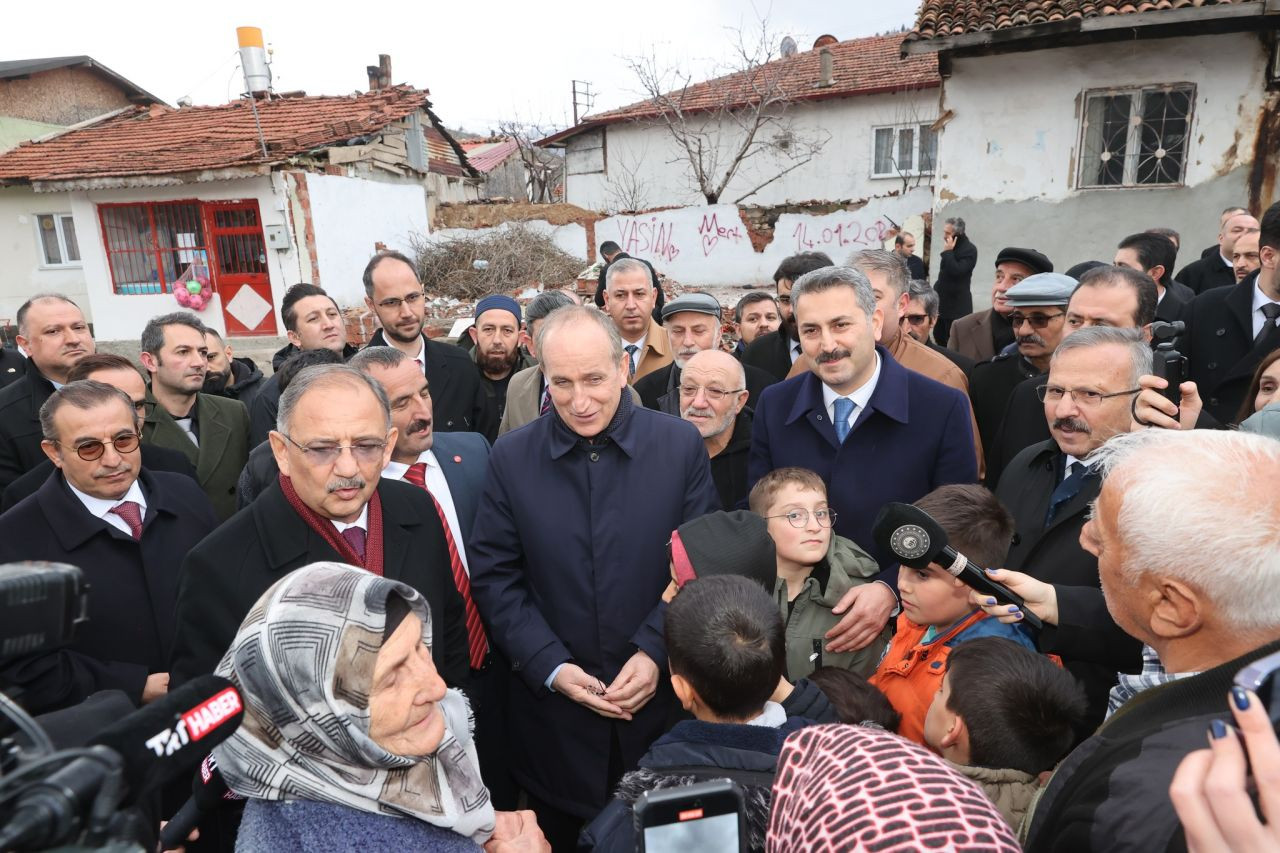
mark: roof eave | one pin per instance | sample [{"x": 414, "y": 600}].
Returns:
[{"x": 1151, "y": 23}]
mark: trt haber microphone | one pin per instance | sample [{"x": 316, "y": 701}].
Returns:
[
  {"x": 208, "y": 791},
  {"x": 916, "y": 539}
]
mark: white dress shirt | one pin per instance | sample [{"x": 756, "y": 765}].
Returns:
[
  {"x": 793, "y": 350},
  {"x": 439, "y": 488},
  {"x": 101, "y": 508},
  {"x": 860, "y": 397},
  {"x": 362, "y": 522},
  {"x": 639, "y": 353},
  {"x": 1259, "y": 299}
]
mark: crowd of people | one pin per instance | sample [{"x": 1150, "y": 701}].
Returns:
[{"x": 494, "y": 593}]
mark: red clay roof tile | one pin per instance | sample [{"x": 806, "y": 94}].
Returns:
[{"x": 941, "y": 18}]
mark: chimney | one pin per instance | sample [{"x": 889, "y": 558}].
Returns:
[
  {"x": 380, "y": 74},
  {"x": 826, "y": 67}
]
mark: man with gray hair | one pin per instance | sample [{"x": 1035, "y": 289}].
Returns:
[
  {"x": 919, "y": 318},
  {"x": 1205, "y": 603},
  {"x": 713, "y": 397},
  {"x": 955, "y": 275},
  {"x": 1048, "y": 487},
  {"x": 872, "y": 429},
  {"x": 629, "y": 298},
  {"x": 333, "y": 438}
]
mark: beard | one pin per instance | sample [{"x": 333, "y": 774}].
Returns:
[
  {"x": 216, "y": 383},
  {"x": 498, "y": 363}
]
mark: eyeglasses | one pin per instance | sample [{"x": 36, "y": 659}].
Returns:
[
  {"x": 1037, "y": 321},
  {"x": 715, "y": 395},
  {"x": 91, "y": 450},
  {"x": 365, "y": 452},
  {"x": 914, "y": 319},
  {"x": 800, "y": 517},
  {"x": 1083, "y": 397},
  {"x": 394, "y": 304}
]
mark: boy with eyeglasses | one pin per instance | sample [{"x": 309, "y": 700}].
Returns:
[
  {"x": 936, "y": 614},
  {"x": 815, "y": 569}
]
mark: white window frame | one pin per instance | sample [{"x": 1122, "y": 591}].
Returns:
[
  {"x": 897, "y": 129},
  {"x": 1132, "y": 152},
  {"x": 45, "y": 263}
]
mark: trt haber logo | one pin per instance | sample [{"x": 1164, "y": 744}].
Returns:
[{"x": 212, "y": 713}]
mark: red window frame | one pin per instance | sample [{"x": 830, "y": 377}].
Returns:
[{"x": 149, "y": 264}]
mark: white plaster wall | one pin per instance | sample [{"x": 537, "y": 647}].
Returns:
[
  {"x": 841, "y": 170},
  {"x": 120, "y": 317},
  {"x": 349, "y": 217},
  {"x": 571, "y": 238},
  {"x": 21, "y": 258}
]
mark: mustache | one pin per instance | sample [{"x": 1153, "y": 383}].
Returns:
[
  {"x": 694, "y": 410},
  {"x": 1031, "y": 339},
  {"x": 1072, "y": 423},
  {"x": 346, "y": 483},
  {"x": 420, "y": 425},
  {"x": 834, "y": 355}
]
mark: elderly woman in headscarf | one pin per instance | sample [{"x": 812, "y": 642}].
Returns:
[{"x": 350, "y": 740}]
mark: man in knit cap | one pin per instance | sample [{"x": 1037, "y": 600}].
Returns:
[{"x": 498, "y": 354}]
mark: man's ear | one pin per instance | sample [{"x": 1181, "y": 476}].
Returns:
[
  {"x": 1177, "y": 609},
  {"x": 280, "y": 450},
  {"x": 23, "y": 341},
  {"x": 473, "y": 333},
  {"x": 903, "y": 301},
  {"x": 684, "y": 692},
  {"x": 294, "y": 338},
  {"x": 1156, "y": 272},
  {"x": 52, "y": 451},
  {"x": 148, "y": 361}
]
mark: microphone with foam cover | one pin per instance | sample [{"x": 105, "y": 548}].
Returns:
[{"x": 916, "y": 539}]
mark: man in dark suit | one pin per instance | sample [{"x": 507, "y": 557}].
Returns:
[
  {"x": 776, "y": 352},
  {"x": 983, "y": 335},
  {"x": 212, "y": 431},
  {"x": 54, "y": 334},
  {"x": 118, "y": 372},
  {"x": 610, "y": 252},
  {"x": 1244, "y": 258},
  {"x": 13, "y": 365},
  {"x": 126, "y": 528},
  {"x": 1154, "y": 255},
  {"x": 393, "y": 292},
  {"x": 1215, "y": 270},
  {"x": 905, "y": 245},
  {"x": 872, "y": 429},
  {"x": 955, "y": 275},
  {"x": 692, "y": 325},
  {"x": 1048, "y": 486},
  {"x": 329, "y": 503},
  {"x": 1231, "y": 329},
  {"x": 569, "y": 562}
]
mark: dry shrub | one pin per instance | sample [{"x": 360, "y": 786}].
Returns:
[{"x": 518, "y": 257}]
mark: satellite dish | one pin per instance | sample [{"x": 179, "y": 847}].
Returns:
[{"x": 788, "y": 47}]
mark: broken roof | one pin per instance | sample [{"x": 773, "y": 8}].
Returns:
[
  {"x": 17, "y": 68},
  {"x": 860, "y": 67},
  {"x": 487, "y": 154}
]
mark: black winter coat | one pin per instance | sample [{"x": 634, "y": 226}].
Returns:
[
  {"x": 1207, "y": 273},
  {"x": 729, "y": 466},
  {"x": 1221, "y": 354},
  {"x": 13, "y": 366},
  {"x": 20, "y": 435},
  {"x": 955, "y": 278}
]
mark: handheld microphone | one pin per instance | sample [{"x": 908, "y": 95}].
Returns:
[
  {"x": 208, "y": 791},
  {"x": 916, "y": 539}
]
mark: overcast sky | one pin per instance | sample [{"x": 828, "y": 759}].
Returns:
[{"x": 482, "y": 61}]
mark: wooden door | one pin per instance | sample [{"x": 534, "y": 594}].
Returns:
[{"x": 240, "y": 274}]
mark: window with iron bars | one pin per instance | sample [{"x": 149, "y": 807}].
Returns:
[
  {"x": 152, "y": 245},
  {"x": 1136, "y": 137}
]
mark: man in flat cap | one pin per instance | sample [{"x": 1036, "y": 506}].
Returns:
[
  {"x": 498, "y": 353},
  {"x": 692, "y": 325},
  {"x": 1038, "y": 317},
  {"x": 983, "y": 334}
]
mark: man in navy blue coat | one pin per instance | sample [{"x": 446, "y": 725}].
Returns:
[
  {"x": 569, "y": 562},
  {"x": 872, "y": 429},
  {"x": 126, "y": 528}
]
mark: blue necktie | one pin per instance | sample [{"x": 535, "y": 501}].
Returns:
[
  {"x": 1067, "y": 489},
  {"x": 843, "y": 420},
  {"x": 631, "y": 356}
]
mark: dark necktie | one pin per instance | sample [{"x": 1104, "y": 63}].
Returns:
[
  {"x": 132, "y": 515},
  {"x": 631, "y": 357},
  {"x": 477, "y": 645},
  {"x": 1270, "y": 311},
  {"x": 545, "y": 405},
  {"x": 356, "y": 537},
  {"x": 1067, "y": 489}
]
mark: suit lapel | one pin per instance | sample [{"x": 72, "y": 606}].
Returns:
[
  {"x": 1240, "y": 301},
  {"x": 215, "y": 434},
  {"x": 396, "y": 535},
  {"x": 160, "y": 429},
  {"x": 439, "y": 377},
  {"x": 1080, "y": 503}
]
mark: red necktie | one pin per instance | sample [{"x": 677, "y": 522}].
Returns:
[
  {"x": 132, "y": 515},
  {"x": 356, "y": 537},
  {"x": 476, "y": 642}
]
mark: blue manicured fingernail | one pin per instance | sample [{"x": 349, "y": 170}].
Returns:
[
  {"x": 1240, "y": 697},
  {"x": 991, "y": 601},
  {"x": 1217, "y": 730},
  {"x": 990, "y": 571},
  {"x": 1013, "y": 608}
]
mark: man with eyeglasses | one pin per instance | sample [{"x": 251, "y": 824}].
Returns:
[
  {"x": 919, "y": 319},
  {"x": 126, "y": 528},
  {"x": 713, "y": 397},
  {"x": 333, "y": 438},
  {"x": 692, "y": 325},
  {"x": 393, "y": 292},
  {"x": 1038, "y": 318},
  {"x": 1048, "y": 487}
]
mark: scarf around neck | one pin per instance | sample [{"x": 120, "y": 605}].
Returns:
[
  {"x": 372, "y": 559},
  {"x": 303, "y": 660}
]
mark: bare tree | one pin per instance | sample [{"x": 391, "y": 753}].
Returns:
[
  {"x": 544, "y": 169},
  {"x": 736, "y": 120},
  {"x": 626, "y": 191}
]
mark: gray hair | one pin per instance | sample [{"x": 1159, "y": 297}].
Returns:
[
  {"x": 573, "y": 314},
  {"x": 1212, "y": 489},
  {"x": 893, "y": 265},
  {"x": 387, "y": 358},
  {"x": 84, "y": 394},
  {"x": 327, "y": 375},
  {"x": 39, "y": 297},
  {"x": 827, "y": 278},
  {"x": 923, "y": 290},
  {"x": 153, "y": 332},
  {"x": 1140, "y": 358},
  {"x": 544, "y": 303},
  {"x": 625, "y": 265},
  {"x": 956, "y": 223}
]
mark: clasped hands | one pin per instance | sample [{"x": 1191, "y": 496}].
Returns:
[{"x": 634, "y": 686}]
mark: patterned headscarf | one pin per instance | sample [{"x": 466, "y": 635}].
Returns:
[
  {"x": 303, "y": 660},
  {"x": 845, "y": 788}
]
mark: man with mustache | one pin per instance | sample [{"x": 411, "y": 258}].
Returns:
[
  {"x": 1093, "y": 377},
  {"x": 125, "y": 527},
  {"x": 629, "y": 298},
  {"x": 776, "y": 352},
  {"x": 54, "y": 334},
  {"x": 713, "y": 397},
  {"x": 212, "y": 431},
  {"x": 984, "y": 334},
  {"x": 497, "y": 335}
]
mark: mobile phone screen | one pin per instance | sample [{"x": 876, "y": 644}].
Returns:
[{"x": 712, "y": 834}]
